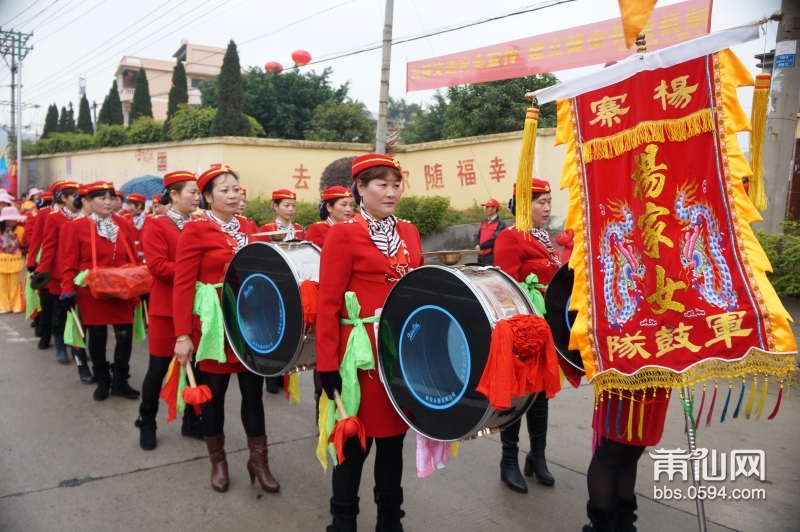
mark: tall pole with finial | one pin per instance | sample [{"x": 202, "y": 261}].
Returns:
[{"x": 382, "y": 130}]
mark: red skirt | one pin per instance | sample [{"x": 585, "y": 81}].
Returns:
[
  {"x": 104, "y": 311},
  {"x": 647, "y": 426},
  {"x": 161, "y": 332},
  {"x": 376, "y": 410}
]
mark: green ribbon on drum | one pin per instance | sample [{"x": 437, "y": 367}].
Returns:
[
  {"x": 532, "y": 287},
  {"x": 357, "y": 356},
  {"x": 208, "y": 308}
]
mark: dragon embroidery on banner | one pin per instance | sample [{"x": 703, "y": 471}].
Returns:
[
  {"x": 622, "y": 268},
  {"x": 701, "y": 251}
]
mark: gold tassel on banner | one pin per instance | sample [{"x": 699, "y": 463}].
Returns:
[
  {"x": 758, "y": 120},
  {"x": 525, "y": 171}
]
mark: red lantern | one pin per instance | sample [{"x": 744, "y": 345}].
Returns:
[
  {"x": 301, "y": 57},
  {"x": 273, "y": 67}
]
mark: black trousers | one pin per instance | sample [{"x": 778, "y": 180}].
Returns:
[
  {"x": 97, "y": 338},
  {"x": 612, "y": 472},
  {"x": 536, "y": 418},
  {"x": 251, "y": 387},
  {"x": 388, "y": 467},
  {"x": 153, "y": 379},
  {"x": 58, "y": 315},
  {"x": 46, "y": 314}
]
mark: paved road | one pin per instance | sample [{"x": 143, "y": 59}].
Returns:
[{"x": 70, "y": 463}]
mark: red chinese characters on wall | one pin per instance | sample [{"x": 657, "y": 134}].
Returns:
[
  {"x": 497, "y": 169},
  {"x": 466, "y": 172},
  {"x": 433, "y": 176},
  {"x": 301, "y": 177}
]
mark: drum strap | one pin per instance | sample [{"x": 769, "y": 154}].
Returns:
[{"x": 381, "y": 278}]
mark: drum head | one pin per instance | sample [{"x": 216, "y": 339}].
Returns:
[
  {"x": 559, "y": 317},
  {"x": 262, "y": 310},
  {"x": 434, "y": 338}
]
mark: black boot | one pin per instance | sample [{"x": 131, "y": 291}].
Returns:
[
  {"x": 535, "y": 463},
  {"x": 389, "y": 512},
  {"x": 44, "y": 341},
  {"x": 103, "y": 379},
  {"x": 344, "y": 516},
  {"x": 274, "y": 384},
  {"x": 79, "y": 355},
  {"x": 45, "y": 319},
  {"x": 602, "y": 520},
  {"x": 61, "y": 349},
  {"x": 147, "y": 426},
  {"x": 509, "y": 464},
  {"x": 192, "y": 427},
  {"x": 35, "y": 326},
  {"x": 120, "y": 386},
  {"x": 626, "y": 515}
]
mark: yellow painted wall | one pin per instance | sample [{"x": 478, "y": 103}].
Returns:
[{"x": 465, "y": 170}]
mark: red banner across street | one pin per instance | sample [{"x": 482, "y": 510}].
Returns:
[{"x": 591, "y": 44}]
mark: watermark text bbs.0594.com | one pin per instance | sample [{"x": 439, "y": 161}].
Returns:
[{"x": 708, "y": 466}]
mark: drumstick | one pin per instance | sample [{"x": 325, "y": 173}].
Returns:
[
  {"x": 146, "y": 316},
  {"x": 339, "y": 405},
  {"x": 190, "y": 374},
  {"x": 77, "y": 322}
]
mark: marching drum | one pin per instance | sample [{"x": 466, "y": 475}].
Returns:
[
  {"x": 433, "y": 343},
  {"x": 263, "y": 309},
  {"x": 559, "y": 317}
]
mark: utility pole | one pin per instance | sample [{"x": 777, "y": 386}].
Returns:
[
  {"x": 386, "y": 60},
  {"x": 12, "y": 135},
  {"x": 779, "y": 141},
  {"x": 94, "y": 112},
  {"x": 15, "y": 44}
]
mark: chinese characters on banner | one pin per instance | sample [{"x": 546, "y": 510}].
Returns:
[
  {"x": 591, "y": 44},
  {"x": 669, "y": 280}
]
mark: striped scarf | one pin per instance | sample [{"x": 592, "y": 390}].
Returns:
[
  {"x": 69, "y": 214},
  {"x": 106, "y": 228},
  {"x": 176, "y": 218},
  {"x": 544, "y": 237},
  {"x": 288, "y": 228},
  {"x": 383, "y": 233},
  {"x": 231, "y": 228},
  {"x": 138, "y": 220}
]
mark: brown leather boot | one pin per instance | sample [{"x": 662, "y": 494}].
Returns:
[
  {"x": 258, "y": 465},
  {"x": 219, "y": 465}
]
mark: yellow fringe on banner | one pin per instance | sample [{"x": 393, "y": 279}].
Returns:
[
  {"x": 758, "y": 121},
  {"x": 630, "y": 419},
  {"x": 641, "y": 417},
  {"x": 751, "y": 399},
  {"x": 525, "y": 171},
  {"x": 762, "y": 398},
  {"x": 676, "y": 130}
]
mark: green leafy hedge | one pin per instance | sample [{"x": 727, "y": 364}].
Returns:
[
  {"x": 426, "y": 212},
  {"x": 783, "y": 252}
]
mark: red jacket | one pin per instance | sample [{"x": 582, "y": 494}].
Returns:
[
  {"x": 50, "y": 261},
  {"x": 30, "y": 223},
  {"x": 203, "y": 254},
  {"x": 37, "y": 231},
  {"x": 243, "y": 221},
  {"x": 78, "y": 257},
  {"x": 137, "y": 233},
  {"x": 519, "y": 254},
  {"x": 273, "y": 226},
  {"x": 349, "y": 251},
  {"x": 317, "y": 232},
  {"x": 160, "y": 243}
]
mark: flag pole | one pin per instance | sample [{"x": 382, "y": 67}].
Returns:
[
  {"x": 690, "y": 434},
  {"x": 381, "y": 132}
]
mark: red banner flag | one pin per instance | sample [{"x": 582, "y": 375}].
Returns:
[{"x": 591, "y": 44}]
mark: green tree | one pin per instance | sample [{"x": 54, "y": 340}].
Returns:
[
  {"x": 70, "y": 119},
  {"x": 401, "y": 113},
  {"x": 342, "y": 122},
  {"x": 111, "y": 135},
  {"x": 190, "y": 123},
  {"x": 178, "y": 94},
  {"x": 141, "y": 105},
  {"x": 230, "y": 119},
  {"x": 111, "y": 111},
  {"x": 338, "y": 173},
  {"x": 495, "y": 107},
  {"x": 50, "y": 122},
  {"x": 428, "y": 125},
  {"x": 62, "y": 120},
  {"x": 85, "y": 117},
  {"x": 144, "y": 130},
  {"x": 284, "y": 103}
]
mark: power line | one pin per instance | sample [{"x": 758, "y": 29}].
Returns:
[
  {"x": 21, "y": 12},
  {"x": 71, "y": 21},
  {"x": 53, "y": 14},
  {"x": 39, "y": 13}
]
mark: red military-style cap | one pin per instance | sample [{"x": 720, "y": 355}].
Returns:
[
  {"x": 336, "y": 192},
  {"x": 491, "y": 203},
  {"x": 206, "y": 177},
  {"x": 139, "y": 198},
  {"x": 100, "y": 185},
  {"x": 538, "y": 186},
  {"x": 55, "y": 186},
  {"x": 120, "y": 193},
  {"x": 178, "y": 176},
  {"x": 67, "y": 184},
  {"x": 81, "y": 190},
  {"x": 243, "y": 191},
  {"x": 156, "y": 198},
  {"x": 282, "y": 194},
  {"x": 46, "y": 196},
  {"x": 370, "y": 160}
]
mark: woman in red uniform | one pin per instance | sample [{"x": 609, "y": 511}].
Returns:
[
  {"x": 285, "y": 203},
  {"x": 205, "y": 248},
  {"x": 365, "y": 255},
  {"x": 337, "y": 206},
  {"x": 36, "y": 243},
  {"x": 114, "y": 247},
  {"x": 160, "y": 243},
  {"x": 519, "y": 255},
  {"x": 43, "y": 201},
  {"x": 137, "y": 217}
]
